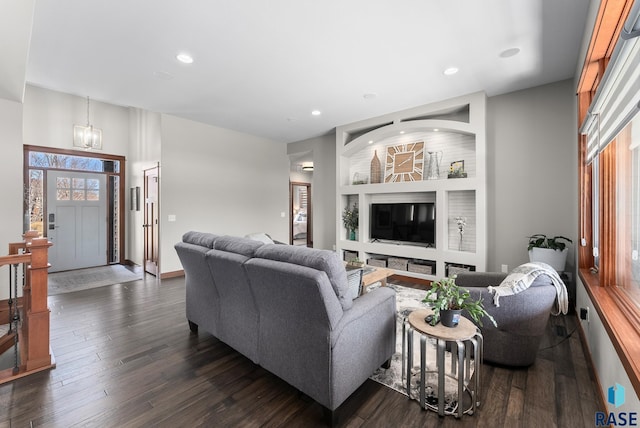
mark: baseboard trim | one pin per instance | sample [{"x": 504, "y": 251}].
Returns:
[
  {"x": 174, "y": 274},
  {"x": 589, "y": 358}
]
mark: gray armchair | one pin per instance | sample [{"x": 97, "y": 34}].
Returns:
[{"x": 521, "y": 318}]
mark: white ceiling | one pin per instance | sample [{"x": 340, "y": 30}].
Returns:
[{"x": 261, "y": 66}]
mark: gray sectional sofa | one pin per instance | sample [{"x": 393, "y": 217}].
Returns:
[{"x": 287, "y": 309}]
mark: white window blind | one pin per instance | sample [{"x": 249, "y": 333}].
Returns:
[{"x": 617, "y": 99}]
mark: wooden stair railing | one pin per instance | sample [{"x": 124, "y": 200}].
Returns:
[
  {"x": 32, "y": 322},
  {"x": 6, "y": 342}
]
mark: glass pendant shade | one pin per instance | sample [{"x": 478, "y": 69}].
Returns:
[{"x": 87, "y": 137}]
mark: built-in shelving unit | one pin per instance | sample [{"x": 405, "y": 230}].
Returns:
[{"x": 454, "y": 128}]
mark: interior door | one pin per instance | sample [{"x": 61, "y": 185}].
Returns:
[
  {"x": 151, "y": 224},
  {"x": 76, "y": 219},
  {"x": 300, "y": 214}
]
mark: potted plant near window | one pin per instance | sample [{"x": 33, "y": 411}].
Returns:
[
  {"x": 552, "y": 251},
  {"x": 449, "y": 300},
  {"x": 350, "y": 221}
]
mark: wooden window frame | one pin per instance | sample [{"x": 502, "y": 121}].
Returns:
[{"x": 618, "y": 313}]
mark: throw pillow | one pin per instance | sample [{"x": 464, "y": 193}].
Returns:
[{"x": 262, "y": 237}]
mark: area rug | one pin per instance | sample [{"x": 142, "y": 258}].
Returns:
[
  {"x": 408, "y": 300},
  {"x": 84, "y": 279}
]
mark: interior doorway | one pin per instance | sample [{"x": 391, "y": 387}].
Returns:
[
  {"x": 301, "y": 214},
  {"x": 151, "y": 223}
]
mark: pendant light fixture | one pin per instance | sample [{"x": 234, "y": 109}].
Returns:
[{"x": 87, "y": 137}]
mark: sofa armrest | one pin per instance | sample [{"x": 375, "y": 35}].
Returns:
[
  {"x": 381, "y": 301},
  {"x": 479, "y": 279},
  {"x": 363, "y": 339}
]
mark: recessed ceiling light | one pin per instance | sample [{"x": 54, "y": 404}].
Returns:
[
  {"x": 509, "y": 52},
  {"x": 435, "y": 130},
  {"x": 316, "y": 112},
  {"x": 402, "y": 132},
  {"x": 370, "y": 141},
  {"x": 184, "y": 58},
  {"x": 450, "y": 71}
]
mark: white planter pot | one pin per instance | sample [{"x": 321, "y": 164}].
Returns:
[{"x": 554, "y": 258}]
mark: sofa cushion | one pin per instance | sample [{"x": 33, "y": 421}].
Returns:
[
  {"x": 199, "y": 238},
  {"x": 323, "y": 260},
  {"x": 233, "y": 244}
]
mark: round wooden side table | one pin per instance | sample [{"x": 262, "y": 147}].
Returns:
[{"x": 464, "y": 339}]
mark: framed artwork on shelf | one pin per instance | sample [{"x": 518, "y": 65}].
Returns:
[
  {"x": 404, "y": 162},
  {"x": 456, "y": 170}
]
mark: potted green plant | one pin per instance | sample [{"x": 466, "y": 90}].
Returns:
[
  {"x": 350, "y": 221},
  {"x": 449, "y": 300},
  {"x": 552, "y": 251}
]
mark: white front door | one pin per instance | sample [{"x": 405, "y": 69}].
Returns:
[{"x": 76, "y": 219}]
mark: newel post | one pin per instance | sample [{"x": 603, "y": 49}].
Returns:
[{"x": 36, "y": 323}]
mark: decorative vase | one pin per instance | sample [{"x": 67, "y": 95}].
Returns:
[
  {"x": 376, "y": 168},
  {"x": 450, "y": 317},
  {"x": 433, "y": 169},
  {"x": 352, "y": 235}
]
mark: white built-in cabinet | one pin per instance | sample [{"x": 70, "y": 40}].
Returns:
[{"x": 457, "y": 129}]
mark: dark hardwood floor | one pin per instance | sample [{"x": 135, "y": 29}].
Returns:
[{"x": 126, "y": 358}]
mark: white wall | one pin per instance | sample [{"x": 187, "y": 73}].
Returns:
[
  {"x": 531, "y": 171},
  {"x": 323, "y": 185},
  {"x": 301, "y": 177},
  {"x": 220, "y": 181},
  {"x": 11, "y": 178},
  {"x": 49, "y": 117},
  {"x": 144, "y": 153}
]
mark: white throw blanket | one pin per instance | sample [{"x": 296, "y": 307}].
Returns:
[{"x": 523, "y": 276}]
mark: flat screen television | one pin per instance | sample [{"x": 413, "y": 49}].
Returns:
[{"x": 404, "y": 222}]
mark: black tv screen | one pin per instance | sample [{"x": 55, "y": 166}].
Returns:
[{"x": 405, "y": 222}]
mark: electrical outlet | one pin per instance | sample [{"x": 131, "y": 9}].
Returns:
[
  {"x": 584, "y": 314},
  {"x": 505, "y": 268}
]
